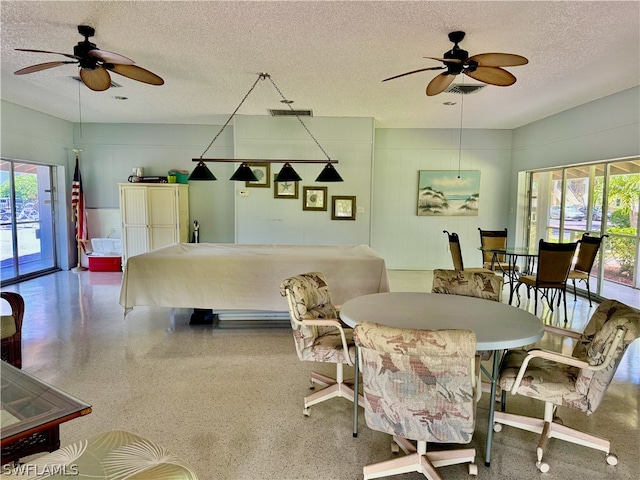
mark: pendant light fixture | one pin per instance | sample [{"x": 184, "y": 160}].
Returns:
[
  {"x": 287, "y": 174},
  {"x": 201, "y": 172},
  {"x": 244, "y": 172},
  {"x": 329, "y": 174}
]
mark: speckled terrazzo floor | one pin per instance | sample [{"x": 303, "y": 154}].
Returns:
[{"x": 229, "y": 400}]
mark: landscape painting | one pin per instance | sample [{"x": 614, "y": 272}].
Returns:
[{"x": 448, "y": 192}]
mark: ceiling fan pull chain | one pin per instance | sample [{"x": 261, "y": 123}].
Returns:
[
  {"x": 460, "y": 149},
  {"x": 80, "y": 109}
]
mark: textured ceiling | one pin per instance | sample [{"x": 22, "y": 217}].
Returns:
[{"x": 327, "y": 56}]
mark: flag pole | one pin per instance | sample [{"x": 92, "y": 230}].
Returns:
[{"x": 78, "y": 267}]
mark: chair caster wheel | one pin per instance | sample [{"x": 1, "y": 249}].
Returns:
[
  {"x": 612, "y": 459},
  {"x": 542, "y": 466},
  {"x": 395, "y": 448},
  {"x": 305, "y": 411},
  {"x": 473, "y": 469},
  {"x": 497, "y": 427}
]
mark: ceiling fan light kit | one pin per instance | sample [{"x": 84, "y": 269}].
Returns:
[
  {"x": 95, "y": 64},
  {"x": 484, "y": 67},
  {"x": 287, "y": 173}
]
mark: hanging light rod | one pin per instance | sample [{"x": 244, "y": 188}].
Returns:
[
  {"x": 244, "y": 172},
  {"x": 260, "y": 160}
]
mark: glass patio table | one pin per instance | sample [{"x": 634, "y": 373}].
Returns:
[
  {"x": 513, "y": 254},
  {"x": 32, "y": 412}
]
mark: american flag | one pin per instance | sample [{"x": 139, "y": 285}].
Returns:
[{"x": 77, "y": 207}]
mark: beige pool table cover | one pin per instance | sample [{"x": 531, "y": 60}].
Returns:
[{"x": 245, "y": 277}]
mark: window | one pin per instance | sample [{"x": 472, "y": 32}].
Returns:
[
  {"x": 565, "y": 203},
  {"x": 26, "y": 220}
]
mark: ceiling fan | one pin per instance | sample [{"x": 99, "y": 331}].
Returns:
[
  {"x": 484, "y": 67},
  {"x": 95, "y": 63}
]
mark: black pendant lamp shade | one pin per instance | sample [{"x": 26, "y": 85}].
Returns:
[
  {"x": 201, "y": 172},
  {"x": 329, "y": 174},
  {"x": 287, "y": 174},
  {"x": 244, "y": 174}
]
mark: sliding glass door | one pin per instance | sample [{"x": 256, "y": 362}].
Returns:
[
  {"x": 622, "y": 225},
  {"x": 596, "y": 199},
  {"x": 27, "y": 232}
]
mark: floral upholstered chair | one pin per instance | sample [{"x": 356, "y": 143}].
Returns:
[
  {"x": 113, "y": 455},
  {"x": 319, "y": 335},
  {"x": 419, "y": 385},
  {"x": 470, "y": 284},
  {"x": 578, "y": 381},
  {"x": 11, "y": 329}
]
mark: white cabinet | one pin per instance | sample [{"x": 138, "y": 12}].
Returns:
[{"x": 153, "y": 215}]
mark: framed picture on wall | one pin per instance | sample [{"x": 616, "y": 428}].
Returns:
[
  {"x": 314, "y": 198},
  {"x": 448, "y": 193},
  {"x": 343, "y": 208},
  {"x": 284, "y": 189},
  {"x": 262, "y": 173}
]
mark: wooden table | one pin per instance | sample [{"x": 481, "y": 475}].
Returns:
[
  {"x": 32, "y": 412},
  {"x": 497, "y": 327}
]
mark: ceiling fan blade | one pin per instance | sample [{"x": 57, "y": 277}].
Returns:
[
  {"x": 439, "y": 84},
  {"x": 414, "y": 71},
  {"x": 110, "y": 57},
  {"x": 46, "y": 51},
  {"x": 97, "y": 79},
  {"x": 445, "y": 60},
  {"x": 39, "y": 67},
  {"x": 137, "y": 73},
  {"x": 499, "y": 60},
  {"x": 493, "y": 76}
]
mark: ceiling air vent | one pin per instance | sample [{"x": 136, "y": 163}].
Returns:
[
  {"x": 290, "y": 113},
  {"x": 464, "y": 89},
  {"x": 113, "y": 84}
]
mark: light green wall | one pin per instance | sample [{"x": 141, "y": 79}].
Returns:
[
  {"x": 110, "y": 151},
  {"x": 261, "y": 218},
  {"x": 36, "y": 137},
  {"x": 379, "y": 165},
  {"x": 411, "y": 242}
]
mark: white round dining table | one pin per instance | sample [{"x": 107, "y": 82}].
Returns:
[{"x": 497, "y": 326}]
